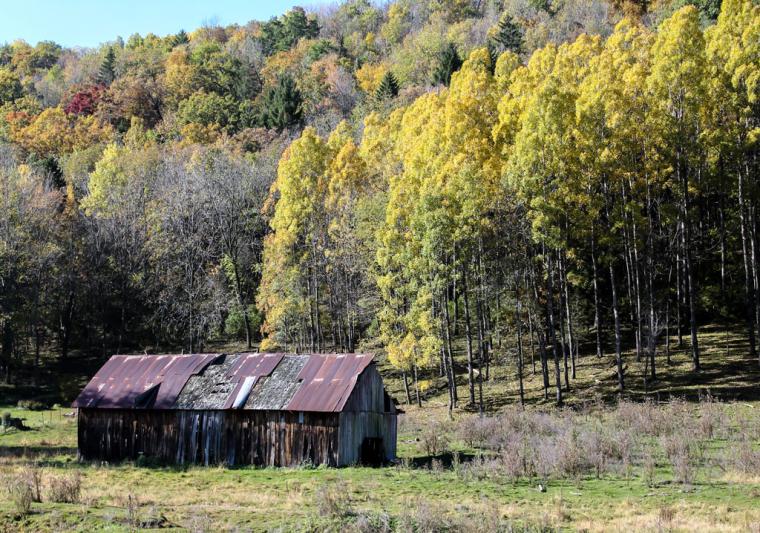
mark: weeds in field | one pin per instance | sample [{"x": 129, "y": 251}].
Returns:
[
  {"x": 20, "y": 492},
  {"x": 523, "y": 444},
  {"x": 66, "y": 488},
  {"x": 435, "y": 439},
  {"x": 333, "y": 501}
]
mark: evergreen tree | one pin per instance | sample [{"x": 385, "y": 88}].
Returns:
[
  {"x": 388, "y": 87},
  {"x": 448, "y": 63},
  {"x": 107, "y": 72},
  {"x": 180, "y": 39},
  {"x": 280, "y": 34},
  {"x": 281, "y": 105},
  {"x": 507, "y": 34}
]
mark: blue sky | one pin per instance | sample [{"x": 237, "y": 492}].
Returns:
[{"x": 91, "y": 22}]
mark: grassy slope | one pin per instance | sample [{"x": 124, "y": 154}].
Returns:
[
  {"x": 261, "y": 499},
  {"x": 728, "y": 373}
]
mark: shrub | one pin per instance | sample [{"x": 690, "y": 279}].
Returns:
[
  {"x": 333, "y": 501},
  {"x": 32, "y": 476},
  {"x": 479, "y": 469},
  {"x": 600, "y": 449},
  {"x": 65, "y": 488},
  {"x": 31, "y": 405},
  {"x": 712, "y": 418},
  {"x": 478, "y": 431},
  {"x": 20, "y": 493},
  {"x": 650, "y": 469},
  {"x": 679, "y": 450},
  {"x": 373, "y": 523},
  {"x": 547, "y": 458},
  {"x": 744, "y": 458},
  {"x": 665, "y": 517},
  {"x": 571, "y": 460},
  {"x": 424, "y": 516},
  {"x": 434, "y": 439},
  {"x": 513, "y": 463},
  {"x": 132, "y": 511}
]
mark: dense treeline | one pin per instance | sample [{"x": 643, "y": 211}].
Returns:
[
  {"x": 607, "y": 186},
  {"x": 553, "y": 186}
]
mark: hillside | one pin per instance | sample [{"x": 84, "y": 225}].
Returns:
[{"x": 419, "y": 180}]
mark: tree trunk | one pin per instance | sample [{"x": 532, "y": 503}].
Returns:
[
  {"x": 690, "y": 284},
  {"x": 552, "y": 324},
  {"x": 618, "y": 340},
  {"x": 597, "y": 322},
  {"x": 468, "y": 335},
  {"x": 573, "y": 344},
  {"x": 417, "y": 386},
  {"x": 406, "y": 388},
  {"x": 450, "y": 351},
  {"x": 562, "y": 332},
  {"x": 518, "y": 327},
  {"x": 749, "y": 282},
  {"x": 541, "y": 343}
]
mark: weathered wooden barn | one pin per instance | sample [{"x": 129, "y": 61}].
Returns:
[{"x": 238, "y": 409}]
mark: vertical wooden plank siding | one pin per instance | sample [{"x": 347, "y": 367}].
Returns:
[
  {"x": 265, "y": 438},
  {"x": 364, "y": 416}
]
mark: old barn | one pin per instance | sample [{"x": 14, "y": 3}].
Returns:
[{"x": 238, "y": 409}]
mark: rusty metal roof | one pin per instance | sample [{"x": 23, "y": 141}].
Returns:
[
  {"x": 328, "y": 382},
  {"x": 316, "y": 383},
  {"x": 125, "y": 378}
]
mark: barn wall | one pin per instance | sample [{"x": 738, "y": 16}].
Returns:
[
  {"x": 268, "y": 438},
  {"x": 368, "y": 394},
  {"x": 364, "y": 416},
  {"x": 356, "y": 426}
]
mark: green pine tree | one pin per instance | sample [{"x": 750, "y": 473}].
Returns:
[
  {"x": 180, "y": 39},
  {"x": 107, "y": 72},
  {"x": 448, "y": 63},
  {"x": 508, "y": 35},
  {"x": 281, "y": 106},
  {"x": 388, "y": 87}
]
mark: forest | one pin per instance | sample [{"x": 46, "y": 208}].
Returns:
[{"x": 454, "y": 184}]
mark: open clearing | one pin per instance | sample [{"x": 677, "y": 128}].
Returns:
[
  {"x": 418, "y": 492},
  {"x": 442, "y": 481}
]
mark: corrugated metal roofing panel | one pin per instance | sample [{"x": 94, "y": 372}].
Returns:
[
  {"x": 125, "y": 377},
  {"x": 254, "y": 364},
  {"x": 328, "y": 382}
]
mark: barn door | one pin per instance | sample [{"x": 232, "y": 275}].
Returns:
[{"x": 372, "y": 453}]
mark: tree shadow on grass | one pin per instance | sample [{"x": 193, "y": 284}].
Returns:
[{"x": 446, "y": 460}]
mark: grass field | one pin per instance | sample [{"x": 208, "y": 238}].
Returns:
[{"x": 452, "y": 474}]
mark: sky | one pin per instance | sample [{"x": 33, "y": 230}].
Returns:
[{"x": 88, "y": 23}]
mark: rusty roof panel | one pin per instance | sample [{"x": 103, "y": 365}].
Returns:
[
  {"x": 121, "y": 381},
  {"x": 328, "y": 382},
  {"x": 254, "y": 364}
]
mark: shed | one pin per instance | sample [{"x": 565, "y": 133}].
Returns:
[{"x": 238, "y": 409}]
